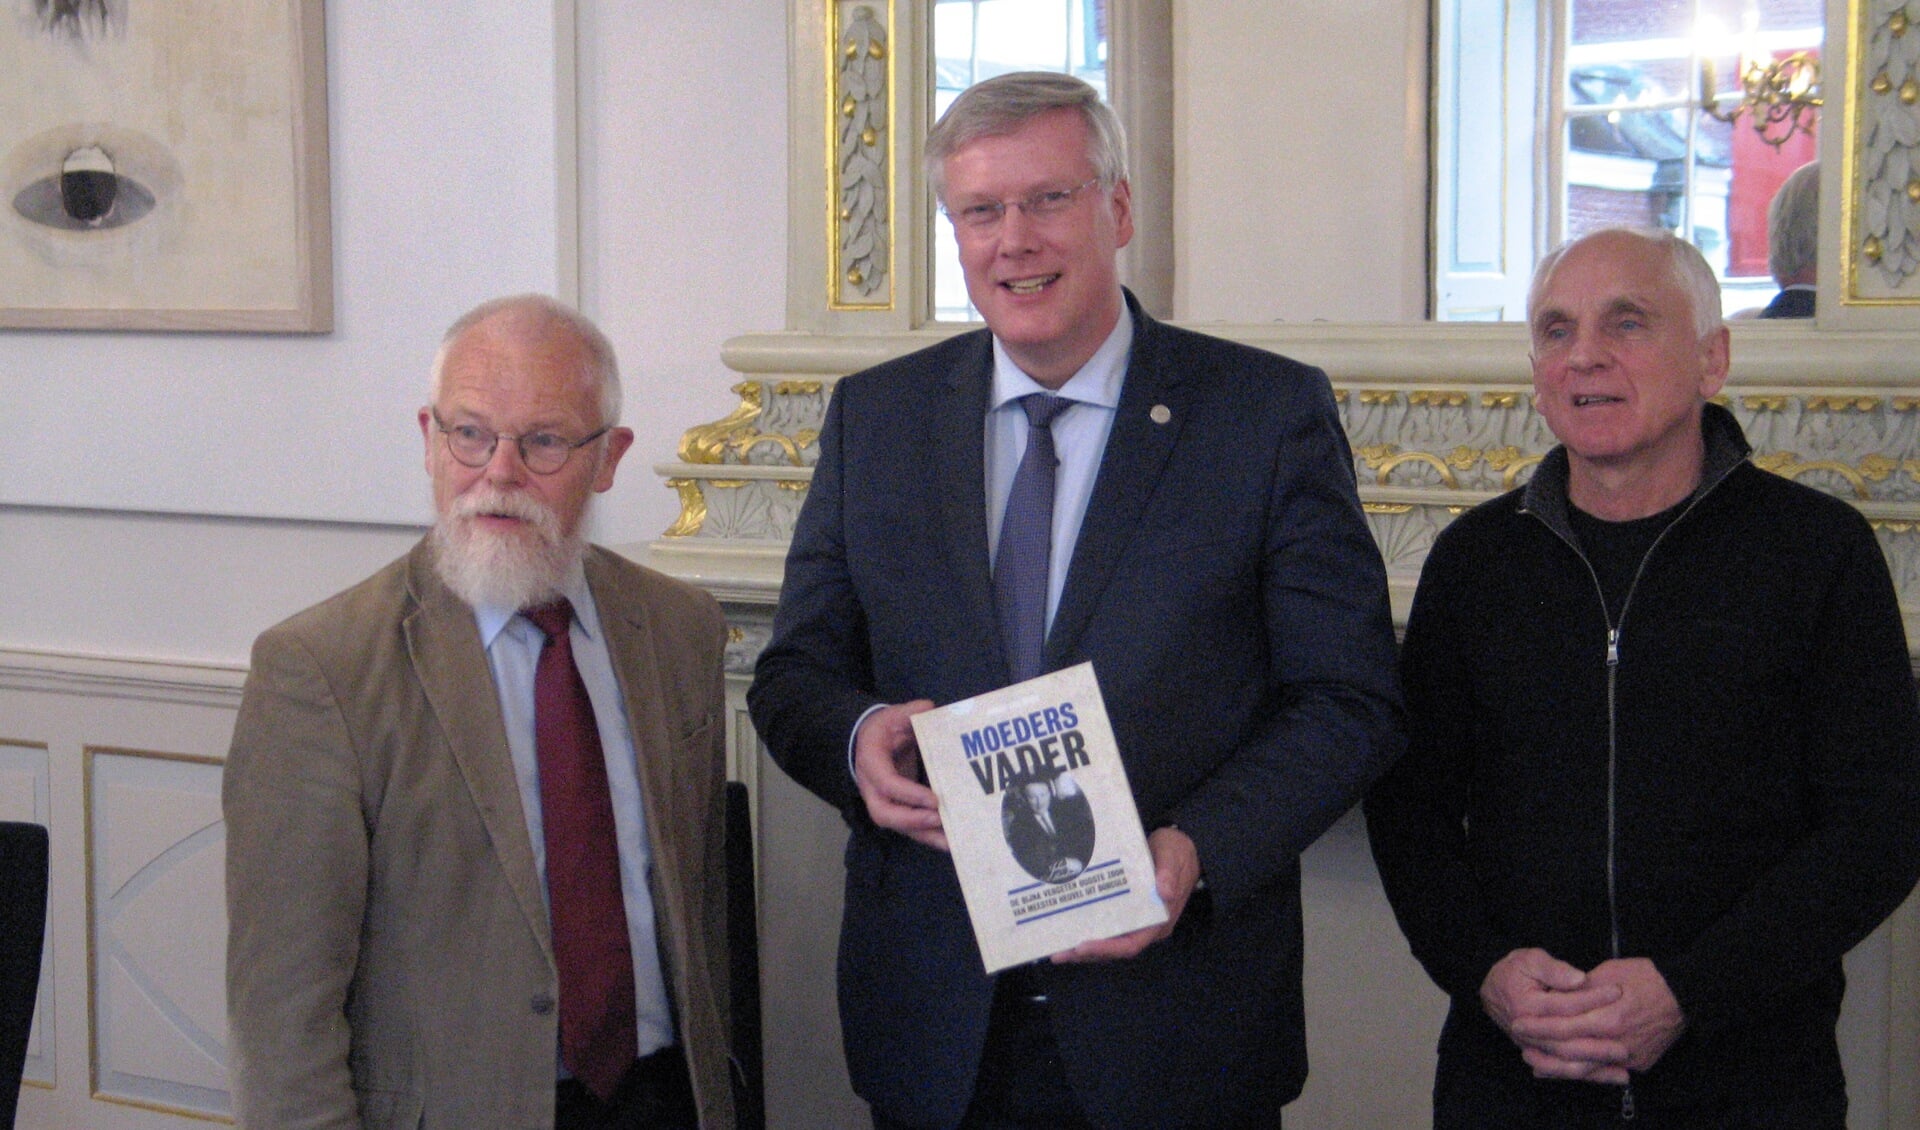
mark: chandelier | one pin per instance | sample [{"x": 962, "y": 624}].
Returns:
[{"x": 1781, "y": 97}]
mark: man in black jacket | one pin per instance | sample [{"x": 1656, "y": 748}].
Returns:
[{"x": 1665, "y": 755}]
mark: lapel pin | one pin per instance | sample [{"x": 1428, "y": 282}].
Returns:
[{"x": 1160, "y": 414}]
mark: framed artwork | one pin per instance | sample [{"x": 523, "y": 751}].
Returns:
[{"x": 163, "y": 166}]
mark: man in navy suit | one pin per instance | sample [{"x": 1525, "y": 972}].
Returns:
[{"x": 1205, "y": 549}]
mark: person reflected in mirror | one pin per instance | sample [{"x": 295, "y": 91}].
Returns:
[{"x": 1793, "y": 244}]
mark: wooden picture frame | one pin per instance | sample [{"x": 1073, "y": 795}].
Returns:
[{"x": 165, "y": 169}]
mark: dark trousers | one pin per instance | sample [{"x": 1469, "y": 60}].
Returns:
[
  {"x": 656, "y": 1093},
  {"x": 1022, "y": 1083},
  {"x": 1465, "y": 1104}
]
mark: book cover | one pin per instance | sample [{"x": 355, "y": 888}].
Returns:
[{"x": 1037, "y": 811}]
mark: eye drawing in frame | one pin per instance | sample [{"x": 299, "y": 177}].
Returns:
[{"x": 164, "y": 166}]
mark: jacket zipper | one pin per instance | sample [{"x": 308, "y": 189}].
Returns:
[{"x": 1627, "y": 1111}]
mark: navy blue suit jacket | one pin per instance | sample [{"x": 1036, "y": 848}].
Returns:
[
  {"x": 1233, "y": 603},
  {"x": 1790, "y": 304}
]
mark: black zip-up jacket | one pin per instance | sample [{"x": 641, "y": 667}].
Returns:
[{"x": 1732, "y": 789}]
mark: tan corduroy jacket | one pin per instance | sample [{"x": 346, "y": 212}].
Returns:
[{"x": 389, "y": 962}]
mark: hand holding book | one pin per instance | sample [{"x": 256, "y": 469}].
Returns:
[
  {"x": 1176, "y": 869},
  {"x": 1033, "y": 798},
  {"x": 886, "y": 768}
]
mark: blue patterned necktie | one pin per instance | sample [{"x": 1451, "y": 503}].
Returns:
[{"x": 1026, "y": 541}]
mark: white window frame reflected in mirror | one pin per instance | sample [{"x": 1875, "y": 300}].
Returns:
[{"x": 1502, "y": 95}]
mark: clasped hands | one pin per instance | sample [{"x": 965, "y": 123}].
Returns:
[
  {"x": 1594, "y": 1026},
  {"x": 886, "y": 768}
]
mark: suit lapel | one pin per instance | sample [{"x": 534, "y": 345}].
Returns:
[
  {"x": 444, "y": 644},
  {"x": 959, "y": 463},
  {"x": 631, "y": 650},
  {"x": 1137, "y": 451},
  {"x": 636, "y": 667}
]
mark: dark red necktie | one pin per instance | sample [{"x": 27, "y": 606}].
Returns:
[{"x": 588, "y": 915}]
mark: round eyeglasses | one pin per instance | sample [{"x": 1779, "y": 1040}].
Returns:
[{"x": 543, "y": 452}]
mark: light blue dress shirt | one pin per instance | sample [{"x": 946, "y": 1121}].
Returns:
[
  {"x": 513, "y": 646},
  {"x": 1079, "y": 441}
]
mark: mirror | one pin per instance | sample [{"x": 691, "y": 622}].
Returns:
[{"x": 1689, "y": 116}]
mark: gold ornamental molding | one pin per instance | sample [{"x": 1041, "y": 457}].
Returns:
[
  {"x": 1511, "y": 467},
  {"x": 1879, "y": 468},
  {"x": 1384, "y": 458},
  {"x": 708, "y": 443},
  {"x": 1880, "y": 209},
  {"x": 738, "y": 433},
  {"x": 1445, "y": 409},
  {"x": 860, "y": 170},
  {"x": 743, "y": 475},
  {"x": 1788, "y": 465},
  {"x": 693, "y": 509},
  {"x": 1870, "y": 469}
]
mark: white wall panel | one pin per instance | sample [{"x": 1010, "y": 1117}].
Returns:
[
  {"x": 156, "y": 846},
  {"x": 131, "y": 1010}
]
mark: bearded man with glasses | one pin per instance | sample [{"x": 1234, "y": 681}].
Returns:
[{"x": 475, "y": 856}]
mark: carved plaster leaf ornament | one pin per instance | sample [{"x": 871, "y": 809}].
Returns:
[{"x": 1891, "y": 139}]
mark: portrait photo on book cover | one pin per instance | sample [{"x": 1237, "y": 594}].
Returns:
[{"x": 1048, "y": 825}]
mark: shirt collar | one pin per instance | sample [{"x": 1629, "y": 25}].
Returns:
[
  {"x": 493, "y": 618},
  {"x": 1097, "y": 382}
]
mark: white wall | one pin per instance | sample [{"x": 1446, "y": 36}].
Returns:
[
  {"x": 290, "y": 465},
  {"x": 684, "y": 213},
  {"x": 163, "y": 498},
  {"x": 445, "y": 191},
  {"x": 1300, "y": 160}
]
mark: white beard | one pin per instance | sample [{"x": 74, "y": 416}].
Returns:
[{"x": 503, "y": 570}]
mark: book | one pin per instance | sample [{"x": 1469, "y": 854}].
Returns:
[{"x": 1036, "y": 807}]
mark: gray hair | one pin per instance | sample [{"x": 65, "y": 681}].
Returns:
[
  {"x": 1793, "y": 225},
  {"x": 1003, "y": 104},
  {"x": 1690, "y": 270},
  {"x": 532, "y": 314}
]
